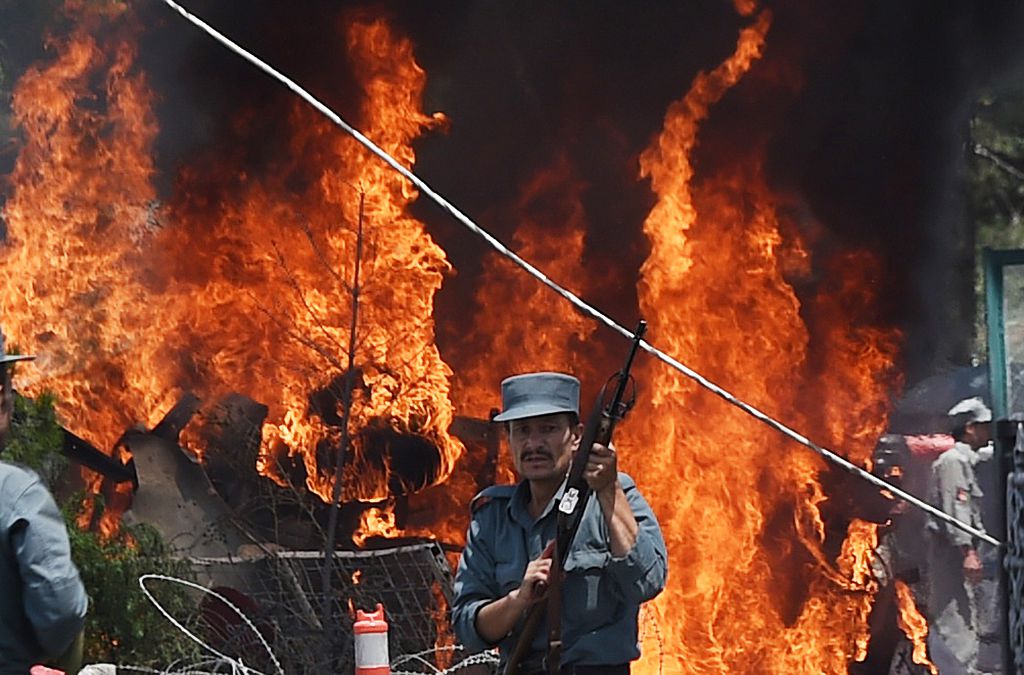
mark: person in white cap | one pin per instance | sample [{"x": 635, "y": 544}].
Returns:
[
  {"x": 42, "y": 600},
  {"x": 955, "y": 568},
  {"x": 617, "y": 561}
]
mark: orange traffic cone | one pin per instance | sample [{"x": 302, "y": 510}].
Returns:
[{"x": 371, "y": 635}]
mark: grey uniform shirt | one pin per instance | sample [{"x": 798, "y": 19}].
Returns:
[
  {"x": 42, "y": 600},
  {"x": 954, "y": 489},
  {"x": 601, "y": 594}
]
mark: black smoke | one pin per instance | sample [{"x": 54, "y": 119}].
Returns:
[{"x": 865, "y": 106}]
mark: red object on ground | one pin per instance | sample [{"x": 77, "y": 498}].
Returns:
[
  {"x": 43, "y": 670},
  {"x": 371, "y": 636},
  {"x": 929, "y": 446}
]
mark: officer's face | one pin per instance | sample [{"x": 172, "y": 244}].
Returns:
[{"x": 542, "y": 446}]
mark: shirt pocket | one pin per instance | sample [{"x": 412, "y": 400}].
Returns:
[{"x": 584, "y": 569}]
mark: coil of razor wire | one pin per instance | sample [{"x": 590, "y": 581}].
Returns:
[
  {"x": 205, "y": 667},
  {"x": 573, "y": 299},
  {"x": 236, "y": 664},
  {"x": 239, "y": 668},
  {"x": 489, "y": 658}
]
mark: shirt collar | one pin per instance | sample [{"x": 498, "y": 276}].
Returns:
[{"x": 517, "y": 506}]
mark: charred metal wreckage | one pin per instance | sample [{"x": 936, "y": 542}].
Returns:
[{"x": 203, "y": 509}]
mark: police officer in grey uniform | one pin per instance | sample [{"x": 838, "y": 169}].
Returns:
[
  {"x": 42, "y": 600},
  {"x": 617, "y": 561},
  {"x": 955, "y": 568}
]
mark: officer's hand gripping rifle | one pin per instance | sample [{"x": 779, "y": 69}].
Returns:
[{"x": 599, "y": 428}]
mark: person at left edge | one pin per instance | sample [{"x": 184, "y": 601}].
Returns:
[
  {"x": 42, "y": 599},
  {"x": 617, "y": 561}
]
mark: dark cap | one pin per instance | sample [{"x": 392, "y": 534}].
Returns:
[{"x": 535, "y": 394}]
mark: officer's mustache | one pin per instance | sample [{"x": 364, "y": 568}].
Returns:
[{"x": 529, "y": 454}]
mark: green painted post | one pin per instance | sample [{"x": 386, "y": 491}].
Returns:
[{"x": 995, "y": 322}]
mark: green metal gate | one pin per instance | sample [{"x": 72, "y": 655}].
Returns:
[{"x": 1004, "y": 304}]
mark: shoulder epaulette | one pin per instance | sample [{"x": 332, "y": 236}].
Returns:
[{"x": 490, "y": 494}]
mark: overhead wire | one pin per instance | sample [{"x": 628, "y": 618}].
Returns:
[{"x": 573, "y": 299}]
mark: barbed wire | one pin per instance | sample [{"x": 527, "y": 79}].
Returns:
[
  {"x": 241, "y": 667},
  {"x": 238, "y": 667},
  {"x": 489, "y": 657},
  {"x": 576, "y": 301},
  {"x": 198, "y": 668},
  {"x": 190, "y": 669}
]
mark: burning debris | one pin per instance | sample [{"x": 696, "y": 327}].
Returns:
[
  {"x": 231, "y": 336},
  {"x": 174, "y": 493}
]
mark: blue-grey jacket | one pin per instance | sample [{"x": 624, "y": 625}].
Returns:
[
  {"x": 601, "y": 594},
  {"x": 42, "y": 600}
]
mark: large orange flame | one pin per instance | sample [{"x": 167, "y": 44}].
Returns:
[
  {"x": 242, "y": 282},
  {"x": 751, "y": 587},
  {"x": 82, "y": 205},
  {"x": 914, "y": 625},
  {"x": 520, "y": 325},
  {"x": 131, "y": 303},
  {"x": 279, "y": 330}
]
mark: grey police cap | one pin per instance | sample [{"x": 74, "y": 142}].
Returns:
[
  {"x": 535, "y": 394},
  {"x": 8, "y": 358}
]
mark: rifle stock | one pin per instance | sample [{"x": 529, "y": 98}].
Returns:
[{"x": 598, "y": 430}]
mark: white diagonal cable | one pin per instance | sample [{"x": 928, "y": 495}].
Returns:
[{"x": 568, "y": 295}]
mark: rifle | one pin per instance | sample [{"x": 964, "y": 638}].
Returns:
[{"x": 600, "y": 425}]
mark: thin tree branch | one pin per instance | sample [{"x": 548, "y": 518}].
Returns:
[
  {"x": 323, "y": 259},
  {"x": 297, "y": 289},
  {"x": 991, "y": 155},
  {"x": 297, "y": 335},
  {"x": 327, "y": 610}
]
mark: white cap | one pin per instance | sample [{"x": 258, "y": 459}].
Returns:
[{"x": 972, "y": 409}]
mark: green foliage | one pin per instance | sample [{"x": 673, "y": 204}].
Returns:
[
  {"x": 122, "y": 625},
  {"x": 997, "y": 171},
  {"x": 35, "y": 438},
  {"x": 996, "y": 184}
]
